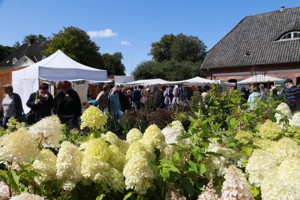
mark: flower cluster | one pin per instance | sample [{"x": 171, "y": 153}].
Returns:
[
  {"x": 285, "y": 112},
  {"x": 209, "y": 193},
  {"x": 27, "y": 196},
  {"x": 295, "y": 120},
  {"x": 134, "y": 135},
  {"x": 49, "y": 131},
  {"x": 153, "y": 138},
  {"x": 235, "y": 186},
  {"x": 216, "y": 165},
  {"x": 276, "y": 170},
  {"x": 19, "y": 146},
  {"x": 172, "y": 131},
  {"x": 114, "y": 139},
  {"x": 270, "y": 130},
  {"x": 45, "y": 165},
  {"x": 68, "y": 165},
  {"x": 99, "y": 162},
  {"x": 93, "y": 117},
  {"x": 4, "y": 191},
  {"x": 138, "y": 174}
]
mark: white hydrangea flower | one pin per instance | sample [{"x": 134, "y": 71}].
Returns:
[
  {"x": 235, "y": 186},
  {"x": 153, "y": 138},
  {"x": 137, "y": 148},
  {"x": 4, "y": 191},
  {"x": 49, "y": 130},
  {"x": 172, "y": 131},
  {"x": 216, "y": 165},
  {"x": 27, "y": 196},
  {"x": 259, "y": 164},
  {"x": 45, "y": 165},
  {"x": 114, "y": 139},
  {"x": 134, "y": 135},
  {"x": 295, "y": 120},
  {"x": 285, "y": 110},
  {"x": 68, "y": 165},
  {"x": 18, "y": 146},
  {"x": 209, "y": 193},
  {"x": 138, "y": 174}
]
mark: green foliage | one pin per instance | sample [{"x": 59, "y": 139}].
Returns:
[
  {"x": 113, "y": 63},
  {"x": 174, "y": 58},
  {"x": 5, "y": 51},
  {"x": 34, "y": 38},
  {"x": 77, "y": 44}
]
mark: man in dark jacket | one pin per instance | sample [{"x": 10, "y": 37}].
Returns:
[
  {"x": 41, "y": 103},
  {"x": 67, "y": 106},
  {"x": 292, "y": 95}
]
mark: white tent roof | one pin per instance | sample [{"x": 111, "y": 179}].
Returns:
[
  {"x": 195, "y": 80},
  {"x": 260, "y": 79},
  {"x": 56, "y": 67},
  {"x": 148, "y": 82},
  {"x": 59, "y": 67}
]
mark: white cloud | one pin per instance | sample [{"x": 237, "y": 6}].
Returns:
[
  {"x": 126, "y": 43},
  {"x": 102, "y": 34}
]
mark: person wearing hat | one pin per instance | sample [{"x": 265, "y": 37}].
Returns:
[
  {"x": 11, "y": 105},
  {"x": 40, "y": 103},
  {"x": 292, "y": 95},
  {"x": 67, "y": 106}
]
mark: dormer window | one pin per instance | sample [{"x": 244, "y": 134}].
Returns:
[{"x": 291, "y": 35}]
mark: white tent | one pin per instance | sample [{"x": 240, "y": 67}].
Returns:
[
  {"x": 56, "y": 67},
  {"x": 157, "y": 81},
  {"x": 196, "y": 80},
  {"x": 260, "y": 79}
]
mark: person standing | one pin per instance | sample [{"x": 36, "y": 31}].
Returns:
[
  {"x": 40, "y": 103},
  {"x": 253, "y": 97},
  {"x": 11, "y": 105},
  {"x": 124, "y": 99},
  {"x": 292, "y": 95},
  {"x": 102, "y": 98},
  {"x": 67, "y": 106},
  {"x": 115, "y": 106},
  {"x": 136, "y": 97}
]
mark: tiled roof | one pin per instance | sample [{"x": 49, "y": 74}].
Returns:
[
  {"x": 255, "y": 41},
  {"x": 32, "y": 51}
]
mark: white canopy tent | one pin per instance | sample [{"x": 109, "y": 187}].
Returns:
[
  {"x": 196, "y": 80},
  {"x": 260, "y": 79},
  {"x": 148, "y": 82},
  {"x": 56, "y": 67}
]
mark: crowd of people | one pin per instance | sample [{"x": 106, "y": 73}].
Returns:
[{"x": 118, "y": 100}]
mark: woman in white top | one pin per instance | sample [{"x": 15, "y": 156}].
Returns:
[{"x": 11, "y": 105}]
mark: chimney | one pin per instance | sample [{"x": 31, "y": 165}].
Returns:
[
  {"x": 30, "y": 42},
  {"x": 282, "y": 8}
]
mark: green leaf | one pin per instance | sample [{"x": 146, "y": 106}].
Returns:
[
  {"x": 247, "y": 150},
  {"x": 188, "y": 186},
  {"x": 255, "y": 191},
  {"x": 13, "y": 180},
  {"x": 101, "y": 196},
  {"x": 128, "y": 195},
  {"x": 202, "y": 169}
]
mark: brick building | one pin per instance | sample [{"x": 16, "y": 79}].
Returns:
[{"x": 267, "y": 43}]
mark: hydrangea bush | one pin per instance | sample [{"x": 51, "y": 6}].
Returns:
[{"x": 233, "y": 155}]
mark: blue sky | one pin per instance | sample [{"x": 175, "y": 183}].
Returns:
[{"x": 129, "y": 26}]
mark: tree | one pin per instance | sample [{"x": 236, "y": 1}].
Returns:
[
  {"x": 34, "y": 38},
  {"x": 162, "y": 50},
  {"x": 174, "y": 58},
  {"x": 178, "y": 48},
  {"x": 77, "y": 44},
  {"x": 113, "y": 63},
  {"x": 5, "y": 51}
]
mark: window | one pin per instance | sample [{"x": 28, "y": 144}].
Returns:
[{"x": 291, "y": 35}]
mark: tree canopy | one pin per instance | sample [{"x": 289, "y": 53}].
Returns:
[
  {"x": 77, "y": 44},
  {"x": 34, "y": 38},
  {"x": 174, "y": 58},
  {"x": 5, "y": 51},
  {"x": 113, "y": 63}
]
